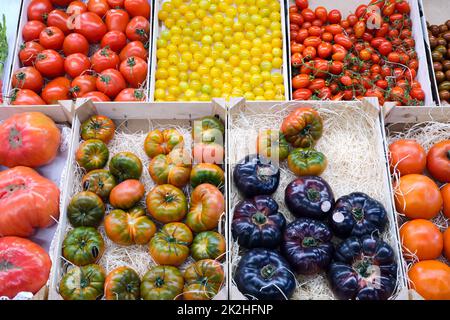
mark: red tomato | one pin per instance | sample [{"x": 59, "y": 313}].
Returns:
[
  {"x": 417, "y": 93},
  {"x": 296, "y": 18},
  {"x": 58, "y": 18},
  {"x": 334, "y": 29},
  {"x": 138, "y": 29},
  {"x": 315, "y": 31},
  {"x": 110, "y": 82},
  {"x": 297, "y": 47},
  {"x": 385, "y": 48},
  {"x": 134, "y": 70},
  {"x": 407, "y": 157},
  {"x": 334, "y": 16},
  {"x": 32, "y": 29},
  {"x": 82, "y": 85},
  {"x": 324, "y": 93},
  {"x": 96, "y": 96},
  {"x": 308, "y": 15},
  {"x": 28, "y": 78},
  {"x": 131, "y": 94},
  {"x": 55, "y": 90},
  {"x": 361, "y": 11},
  {"x": 397, "y": 94},
  {"x": 302, "y": 35},
  {"x": 115, "y": 40},
  {"x": 343, "y": 40},
  {"x": 293, "y": 8},
  {"x": 309, "y": 53},
  {"x": 302, "y": 94},
  {"x": 75, "y": 64},
  {"x": 402, "y": 6},
  {"x": 115, "y": 3},
  {"x": 138, "y": 8},
  {"x": 359, "y": 28},
  {"x": 445, "y": 192},
  {"x": 75, "y": 43},
  {"x": 421, "y": 239},
  {"x": 312, "y": 41},
  {"x": 61, "y": 3},
  {"x": 300, "y": 81},
  {"x": 39, "y": 9},
  {"x": 327, "y": 36},
  {"x": 51, "y": 38},
  {"x": 76, "y": 7},
  {"x": 104, "y": 59},
  {"x": 384, "y": 29},
  {"x": 324, "y": 50},
  {"x": 352, "y": 19},
  {"x": 336, "y": 67},
  {"x": 91, "y": 26},
  {"x": 438, "y": 161},
  {"x": 134, "y": 48},
  {"x": 346, "y": 80},
  {"x": 383, "y": 84},
  {"x": 320, "y": 68},
  {"x": 50, "y": 64},
  {"x": 22, "y": 97},
  {"x": 296, "y": 59},
  {"x": 28, "y": 52},
  {"x": 99, "y": 7},
  {"x": 302, "y": 4},
  {"x": 117, "y": 19},
  {"x": 317, "y": 84}
]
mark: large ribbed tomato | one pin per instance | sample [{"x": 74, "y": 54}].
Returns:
[
  {"x": 203, "y": 279},
  {"x": 24, "y": 266},
  {"x": 27, "y": 201},
  {"x": 28, "y": 139}
]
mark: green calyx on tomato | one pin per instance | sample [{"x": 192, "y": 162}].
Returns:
[
  {"x": 207, "y": 173},
  {"x": 101, "y": 182},
  {"x": 167, "y": 203},
  {"x": 208, "y": 245},
  {"x": 162, "y": 283},
  {"x": 92, "y": 154},
  {"x": 98, "y": 127},
  {"x": 302, "y": 127},
  {"x": 83, "y": 283},
  {"x": 125, "y": 165},
  {"x": 83, "y": 246},
  {"x": 86, "y": 209},
  {"x": 306, "y": 161}
]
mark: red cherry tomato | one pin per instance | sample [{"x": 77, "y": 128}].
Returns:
[
  {"x": 309, "y": 53},
  {"x": 343, "y": 40},
  {"x": 336, "y": 67},
  {"x": 110, "y": 82},
  {"x": 385, "y": 48},
  {"x": 116, "y": 3},
  {"x": 359, "y": 28},
  {"x": 324, "y": 50},
  {"x": 308, "y": 15},
  {"x": 32, "y": 29},
  {"x": 402, "y": 6},
  {"x": 321, "y": 14},
  {"x": 334, "y": 16},
  {"x": 301, "y": 81},
  {"x": 301, "y": 4},
  {"x": 104, "y": 59},
  {"x": 296, "y": 18},
  {"x": 302, "y": 94},
  {"x": 50, "y": 64},
  {"x": 317, "y": 84},
  {"x": 76, "y": 64},
  {"x": 417, "y": 93}
]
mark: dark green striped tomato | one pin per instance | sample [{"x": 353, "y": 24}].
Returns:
[
  {"x": 302, "y": 127},
  {"x": 98, "y": 127},
  {"x": 83, "y": 246},
  {"x": 167, "y": 203},
  {"x": 92, "y": 154},
  {"x": 86, "y": 209},
  {"x": 100, "y": 181},
  {"x": 83, "y": 283},
  {"x": 162, "y": 142},
  {"x": 162, "y": 283},
  {"x": 125, "y": 165},
  {"x": 207, "y": 173},
  {"x": 307, "y": 162},
  {"x": 203, "y": 279},
  {"x": 174, "y": 168},
  {"x": 208, "y": 245},
  {"x": 123, "y": 283}
]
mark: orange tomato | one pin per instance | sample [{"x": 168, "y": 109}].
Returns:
[
  {"x": 421, "y": 238},
  {"x": 438, "y": 161},
  {"x": 407, "y": 156},
  {"x": 417, "y": 197},
  {"x": 126, "y": 194},
  {"x": 447, "y": 243},
  {"x": 445, "y": 192},
  {"x": 431, "y": 279}
]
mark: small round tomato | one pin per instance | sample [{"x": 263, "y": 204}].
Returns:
[
  {"x": 406, "y": 157},
  {"x": 50, "y": 64},
  {"x": 82, "y": 85},
  {"x": 431, "y": 279},
  {"x": 343, "y": 40},
  {"x": 115, "y": 40},
  {"x": 317, "y": 84},
  {"x": 104, "y": 59},
  {"x": 346, "y": 80},
  {"x": 301, "y": 81},
  {"x": 447, "y": 243},
  {"x": 96, "y": 96},
  {"x": 421, "y": 239},
  {"x": 117, "y": 19},
  {"x": 138, "y": 8},
  {"x": 417, "y": 197},
  {"x": 58, "y": 18},
  {"x": 134, "y": 70},
  {"x": 51, "y": 38},
  {"x": 55, "y": 90},
  {"x": 91, "y": 26},
  {"x": 99, "y": 7},
  {"x": 417, "y": 93},
  {"x": 334, "y": 16},
  {"x": 138, "y": 29},
  {"x": 75, "y": 43},
  {"x": 402, "y": 6},
  {"x": 21, "y": 97},
  {"x": 39, "y": 9},
  {"x": 131, "y": 94},
  {"x": 296, "y": 18},
  {"x": 321, "y": 14},
  {"x": 134, "y": 49},
  {"x": 302, "y": 94},
  {"x": 309, "y": 53},
  {"x": 438, "y": 161},
  {"x": 116, "y": 3},
  {"x": 28, "y": 78},
  {"x": 301, "y": 4},
  {"x": 76, "y": 64},
  {"x": 385, "y": 48},
  {"x": 76, "y": 7},
  {"x": 308, "y": 15},
  {"x": 324, "y": 50},
  {"x": 32, "y": 29}
]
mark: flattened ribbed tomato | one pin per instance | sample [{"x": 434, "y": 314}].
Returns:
[
  {"x": 170, "y": 246},
  {"x": 162, "y": 283},
  {"x": 208, "y": 245},
  {"x": 83, "y": 246},
  {"x": 126, "y": 194},
  {"x": 162, "y": 142},
  {"x": 86, "y": 209},
  {"x": 98, "y": 127},
  {"x": 83, "y": 283},
  {"x": 302, "y": 127},
  {"x": 24, "y": 266},
  {"x": 92, "y": 154},
  {"x": 122, "y": 283},
  {"x": 127, "y": 228},
  {"x": 125, "y": 165},
  {"x": 100, "y": 182},
  {"x": 174, "y": 168},
  {"x": 307, "y": 161},
  {"x": 207, "y": 205},
  {"x": 166, "y": 203},
  {"x": 204, "y": 279}
]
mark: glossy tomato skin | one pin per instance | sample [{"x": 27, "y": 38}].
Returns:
[
  {"x": 207, "y": 173},
  {"x": 117, "y": 19},
  {"x": 29, "y": 266},
  {"x": 169, "y": 246},
  {"x": 439, "y": 161},
  {"x": 357, "y": 214},
  {"x": 255, "y": 175},
  {"x": 261, "y": 272},
  {"x": 203, "y": 280},
  {"x": 83, "y": 84},
  {"x": 39, "y": 9},
  {"x": 134, "y": 70},
  {"x": 83, "y": 246},
  {"x": 75, "y": 43},
  {"x": 123, "y": 283},
  {"x": 85, "y": 209},
  {"x": 134, "y": 48},
  {"x": 28, "y": 53},
  {"x": 91, "y": 26},
  {"x": 447, "y": 243},
  {"x": 257, "y": 223},
  {"x": 100, "y": 182},
  {"x": 350, "y": 275},
  {"x": 309, "y": 197},
  {"x": 125, "y": 165},
  {"x": 115, "y": 40},
  {"x": 110, "y": 82},
  {"x": 418, "y": 197},
  {"x": 76, "y": 64},
  {"x": 269, "y": 141},
  {"x": 131, "y": 94},
  {"x": 138, "y": 8},
  {"x": 96, "y": 96},
  {"x": 99, "y": 7},
  {"x": 51, "y": 38},
  {"x": 138, "y": 29},
  {"x": 307, "y": 161},
  {"x": 167, "y": 203},
  {"x": 98, "y": 127},
  {"x": 50, "y": 64},
  {"x": 32, "y": 29},
  {"x": 127, "y": 228},
  {"x": 76, "y": 7},
  {"x": 208, "y": 245},
  {"x": 92, "y": 154},
  {"x": 28, "y": 78},
  {"x": 32, "y": 140},
  {"x": 174, "y": 168},
  {"x": 162, "y": 142},
  {"x": 206, "y": 207},
  {"x": 22, "y": 97},
  {"x": 104, "y": 59},
  {"x": 445, "y": 192},
  {"x": 58, "y": 18},
  {"x": 126, "y": 194},
  {"x": 55, "y": 90},
  {"x": 294, "y": 125},
  {"x": 83, "y": 283},
  {"x": 431, "y": 279},
  {"x": 421, "y": 239},
  {"x": 162, "y": 283}
]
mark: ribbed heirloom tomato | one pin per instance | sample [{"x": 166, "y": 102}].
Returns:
[
  {"x": 407, "y": 156},
  {"x": 422, "y": 239}
]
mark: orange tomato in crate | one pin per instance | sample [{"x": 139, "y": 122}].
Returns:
[
  {"x": 445, "y": 191},
  {"x": 28, "y": 139},
  {"x": 126, "y": 194},
  {"x": 438, "y": 161},
  {"x": 447, "y": 244},
  {"x": 422, "y": 239},
  {"x": 431, "y": 279},
  {"x": 417, "y": 197},
  {"x": 407, "y": 156},
  {"x": 26, "y": 266}
]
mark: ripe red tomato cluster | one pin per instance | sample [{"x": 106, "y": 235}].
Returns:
[
  {"x": 96, "y": 49},
  {"x": 368, "y": 54}
]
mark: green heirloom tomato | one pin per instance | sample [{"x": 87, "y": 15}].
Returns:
[
  {"x": 162, "y": 283},
  {"x": 83, "y": 283},
  {"x": 271, "y": 142},
  {"x": 122, "y": 283},
  {"x": 307, "y": 162},
  {"x": 166, "y": 203},
  {"x": 125, "y": 165},
  {"x": 162, "y": 142},
  {"x": 92, "y": 154},
  {"x": 86, "y": 209},
  {"x": 208, "y": 245},
  {"x": 203, "y": 280},
  {"x": 174, "y": 168},
  {"x": 100, "y": 181},
  {"x": 98, "y": 127},
  {"x": 208, "y": 129},
  {"x": 83, "y": 246},
  {"x": 207, "y": 173}
]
